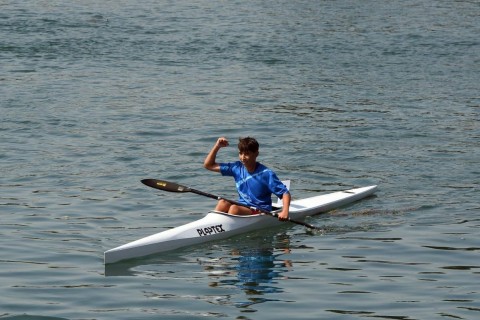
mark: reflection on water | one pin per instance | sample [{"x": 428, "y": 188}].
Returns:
[
  {"x": 249, "y": 268},
  {"x": 254, "y": 268},
  {"x": 133, "y": 267}
]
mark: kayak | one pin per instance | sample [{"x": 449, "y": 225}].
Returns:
[{"x": 218, "y": 225}]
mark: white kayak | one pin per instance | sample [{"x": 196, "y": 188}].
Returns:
[{"x": 218, "y": 225}]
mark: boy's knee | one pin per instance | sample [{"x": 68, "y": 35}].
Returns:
[{"x": 222, "y": 206}]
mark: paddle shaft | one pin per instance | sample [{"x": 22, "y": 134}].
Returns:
[{"x": 174, "y": 187}]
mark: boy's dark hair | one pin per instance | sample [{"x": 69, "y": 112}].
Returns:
[{"x": 247, "y": 144}]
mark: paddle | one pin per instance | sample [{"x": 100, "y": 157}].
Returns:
[{"x": 174, "y": 187}]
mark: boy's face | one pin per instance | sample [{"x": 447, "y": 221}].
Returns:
[{"x": 248, "y": 158}]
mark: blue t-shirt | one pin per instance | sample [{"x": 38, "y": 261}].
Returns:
[{"x": 254, "y": 189}]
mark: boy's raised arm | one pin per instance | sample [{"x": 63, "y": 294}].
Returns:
[{"x": 210, "y": 162}]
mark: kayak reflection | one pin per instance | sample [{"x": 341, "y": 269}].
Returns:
[{"x": 254, "y": 269}]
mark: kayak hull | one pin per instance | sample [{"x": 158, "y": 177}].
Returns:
[{"x": 218, "y": 225}]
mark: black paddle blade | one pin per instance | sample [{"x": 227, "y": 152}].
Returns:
[{"x": 165, "y": 185}]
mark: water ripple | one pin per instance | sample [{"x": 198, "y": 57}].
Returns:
[{"x": 97, "y": 97}]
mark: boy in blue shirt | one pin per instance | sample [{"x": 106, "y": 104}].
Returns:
[{"x": 255, "y": 182}]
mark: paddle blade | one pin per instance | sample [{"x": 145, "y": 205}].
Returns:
[{"x": 165, "y": 185}]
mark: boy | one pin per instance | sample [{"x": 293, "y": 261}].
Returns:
[{"x": 255, "y": 182}]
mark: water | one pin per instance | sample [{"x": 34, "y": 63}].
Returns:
[{"x": 98, "y": 95}]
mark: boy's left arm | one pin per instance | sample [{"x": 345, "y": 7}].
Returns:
[{"x": 286, "y": 207}]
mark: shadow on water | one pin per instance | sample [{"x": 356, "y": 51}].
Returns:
[
  {"x": 252, "y": 264},
  {"x": 129, "y": 267},
  {"x": 254, "y": 267}
]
